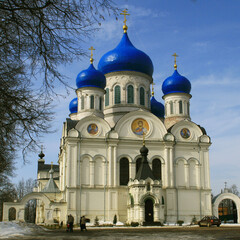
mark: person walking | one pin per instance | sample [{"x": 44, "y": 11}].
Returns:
[
  {"x": 83, "y": 223},
  {"x": 70, "y": 222}
]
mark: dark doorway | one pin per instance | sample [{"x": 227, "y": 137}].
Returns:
[
  {"x": 227, "y": 211},
  {"x": 12, "y": 214},
  {"x": 148, "y": 211}
]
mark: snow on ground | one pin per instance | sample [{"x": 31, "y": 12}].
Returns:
[{"x": 15, "y": 228}]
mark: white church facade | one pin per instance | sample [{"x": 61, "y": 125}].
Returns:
[{"x": 124, "y": 153}]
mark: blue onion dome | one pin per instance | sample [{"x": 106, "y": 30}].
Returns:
[
  {"x": 176, "y": 84},
  {"x": 157, "y": 108},
  {"x": 73, "y": 106},
  {"x": 91, "y": 78},
  {"x": 125, "y": 57}
]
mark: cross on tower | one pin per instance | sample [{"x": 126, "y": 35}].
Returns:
[
  {"x": 91, "y": 59},
  {"x": 125, "y": 13},
  {"x": 175, "y": 60},
  {"x": 225, "y": 183}
]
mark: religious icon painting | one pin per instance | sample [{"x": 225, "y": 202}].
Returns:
[
  {"x": 92, "y": 129},
  {"x": 140, "y": 126},
  {"x": 185, "y": 133}
]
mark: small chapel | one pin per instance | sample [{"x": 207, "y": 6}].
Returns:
[{"x": 125, "y": 153}]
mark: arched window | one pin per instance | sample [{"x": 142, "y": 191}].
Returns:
[
  {"x": 142, "y": 96},
  {"x": 82, "y": 102},
  {"x": 165, "y": 108},
  {"x": 171, "y": 107},
  {"x": 117, "y": 91},
  {"x": 100, "y": 103},
  {"x": 124, "y": 171},
  {"x": 107, "y": 97},
  {"x": 157, "y": 169},
  {"x": 180, "y": 107},
  {"x": 130, "y": 94},
  {"x": 138, "y": 163}
]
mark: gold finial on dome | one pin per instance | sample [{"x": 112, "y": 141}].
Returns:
[
  {"x": 51, "y": 165},
  {"x": 125, "y": 13},
  {"x": 153, "y": 89},
  {"x": 91, "y": 59},
  {"x": 175, "y": 60}
]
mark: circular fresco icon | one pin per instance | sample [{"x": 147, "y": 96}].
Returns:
[
  {"x": 140, "y": 126},
  {"x": 92, "y": 129},
  {"x": 185, "y": 133}
]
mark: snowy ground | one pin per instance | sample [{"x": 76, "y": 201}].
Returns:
[
  {"x": 14, "y": 228},
  {"x": 19, "y": 230}
]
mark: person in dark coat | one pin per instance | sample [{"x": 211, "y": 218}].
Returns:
[
  {"x": 83, "y": 223},
  {"x": 70, "y": 222}
]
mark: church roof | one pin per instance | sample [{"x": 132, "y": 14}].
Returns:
[
  {"x": 71, "y": 123},
  {"x": 176, "y": 84},
  {"x": 47, "y": 167},
  {"x": 73, "y": 105},
  {"x": 125, "y": 57},
  {"x": 91, "y": 78},
  {"x": 157, "y": 108},
  {"x": 144, "y": 170},
  {"x": 51, "y": 186}
]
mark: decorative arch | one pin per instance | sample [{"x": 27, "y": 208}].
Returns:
[
  {"x": 159, "y": 157},
  {"x": 147, "y": 196},
  {"x": 99, "y": 161},
  {"x": 85, "y": 169},
  {"x": 125, "y": 156},
  {"x": 223, "y": 196},
  {"x": 193, "y": 160},
  {"x": 181, "y": 174},
  {"x": 36, "y": 195}
]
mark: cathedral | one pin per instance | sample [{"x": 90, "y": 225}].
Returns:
[{"x": 123, "y": 152}]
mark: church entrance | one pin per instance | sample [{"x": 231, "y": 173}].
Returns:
[{"x": 149, "y": 211}]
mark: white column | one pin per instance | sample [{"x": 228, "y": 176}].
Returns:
[
  {"x": 166, "y": 167},
  {"x": 115, "y": 166},
  {"x": 110, "y": 166},
  {"x": 171, "y": 175},
  {"x": 111, "y": 96},
  {"x": 123, "y": 95},
  {"x": 91, "y": 173},
  {"x": 75, "y": 164},
  {"x": 132, "y": 170},
  {"x": 68, "y": 175}
]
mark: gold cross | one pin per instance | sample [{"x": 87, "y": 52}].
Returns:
[
  {"x": 125, "y": 13},
  {"x": 51, "y": 165},
  {"x": 91, "y": 59},
  {"x": 153, "y": 89},
  {"x": 175, "y": 60}
]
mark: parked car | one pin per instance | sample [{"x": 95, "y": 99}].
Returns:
[{"x": 208, "y": 221}]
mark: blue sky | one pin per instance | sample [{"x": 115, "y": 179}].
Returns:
[{"x": 205, "y": 34}]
